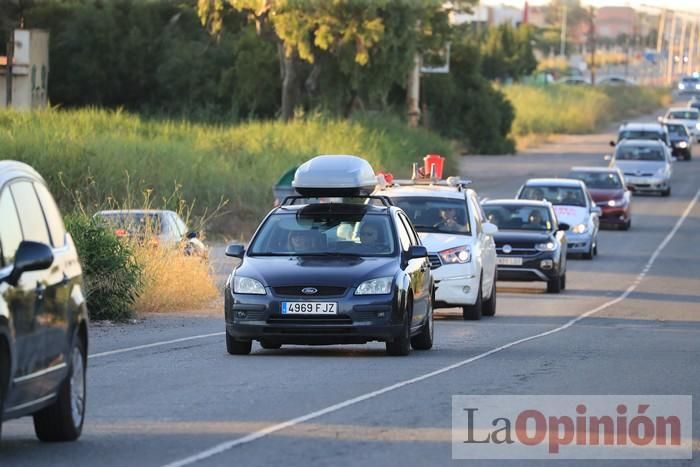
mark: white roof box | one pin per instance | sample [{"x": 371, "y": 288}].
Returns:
[{"x": 335, "y": 176}]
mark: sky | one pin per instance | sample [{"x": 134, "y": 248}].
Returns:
[{"x": 692, "y": 6}]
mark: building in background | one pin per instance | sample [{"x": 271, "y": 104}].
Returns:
[
  {"x": 30, "y": 70},
  {"x": 615, "y": 21},
  {"x": 485, "y": 15}
]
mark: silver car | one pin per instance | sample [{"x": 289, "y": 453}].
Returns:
[
  {"x": 646, "y": 165},
  {"x": 689, "y": 116}
]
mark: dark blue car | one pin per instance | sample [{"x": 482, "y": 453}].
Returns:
[{"x": 346, "y": 272}]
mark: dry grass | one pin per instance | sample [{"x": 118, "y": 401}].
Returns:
[{"x": 174, "y": 282}]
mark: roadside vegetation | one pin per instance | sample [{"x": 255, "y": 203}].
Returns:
[{"x": 544, "y": 110}]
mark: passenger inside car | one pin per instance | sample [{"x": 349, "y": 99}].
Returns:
[{"x": 535, "y": 220}]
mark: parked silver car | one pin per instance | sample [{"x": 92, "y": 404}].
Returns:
[{"x": 646, "y": 165}]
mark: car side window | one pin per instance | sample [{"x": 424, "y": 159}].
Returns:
[
  {"x": 31, "y": 217},
  {"x": 53, "y": 216},
  {"x": 409, "y": 228},
  {"x": 10, "y": 230},
  {"x": 403, "y": 234}
]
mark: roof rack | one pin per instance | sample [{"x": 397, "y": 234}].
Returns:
[
  {"x": 385, "y": 200},
  {"x": 455, "y": 182}
]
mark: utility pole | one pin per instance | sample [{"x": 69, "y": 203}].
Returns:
[
  {"x": 671, "y": 49},
  {"x": 562, "y": 46},
  {"x": 693, "y": 45},
  {"x": 413, "y": 94},
  {"x": 591, "y": 40},
  {"x": 9, "y": 68},
  {"x": 660, "y": 35},
  {"x": 681, "y": 54}
]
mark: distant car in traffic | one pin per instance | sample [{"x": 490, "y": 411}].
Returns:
[
  {"x": 615, "y": 80},
  {"x": 688, "y": 115},
  {"x": 694, "y": 102},
  {"x": 574, "y": 80},
  {"x": 681, "y": 141},
  {"x": 161, "y": 227},
  {"x": 573, "y": 205},
  {"x": 337, "y": 272},
  {"x": 689, "y": 85},
  {"x": 635, "y": 130},
  {"x": 531, "y": 244},
  {"x": 460, "y": 243},
  {"x": 43, "y": 313},
  {"x": 646, "y": 166},
  {"x": 607, "y": 188}
]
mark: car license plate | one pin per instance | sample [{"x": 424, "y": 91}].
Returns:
[
  {"x": 309, "y": 308},
  {"x": 508, "y": 261}
]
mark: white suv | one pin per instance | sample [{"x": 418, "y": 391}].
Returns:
[{"x": 451, "y": 224}]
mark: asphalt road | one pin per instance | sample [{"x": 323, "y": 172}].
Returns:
[{"x": 164, "y": 390}]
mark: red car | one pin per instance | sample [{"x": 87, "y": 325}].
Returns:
[{"x": 609, "y": 192}]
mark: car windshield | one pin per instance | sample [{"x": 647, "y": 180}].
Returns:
[
  {"x": 431, "y": 214},
  {"x": 316, "y": 230},
  {"x": 557, "y": 195},
  {"x": 639, "y": 153},
  {"x": 641, "y": 134},
  {"x": 518, "y": 217},
  {"x": 598, "y": 180},
  {"x": 690, "y": 114},
  {"x": 677, "y": 130},
  {"x": 132, "y": 223}
]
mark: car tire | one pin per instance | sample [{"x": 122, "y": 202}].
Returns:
[
  {"x": 475, "y": 311},
  {"x": 401, "y": 346},
  {"x": 424, "y": 340},
  {"x": 562, "y": 281},
  {"x": 270, "y": 345},
  {"x": 666, "y": 192},
  {"x": 489, "y": 306},
  {"x": 236, "y": 347},
  {"x": 626, "y": 225},
  {"x": 589, "y": 254},
  {"x": 554, "y": 285},
  {"x": 63, "y": 420}
]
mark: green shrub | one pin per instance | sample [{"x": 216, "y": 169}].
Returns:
[{"x": 113, "y": 279}]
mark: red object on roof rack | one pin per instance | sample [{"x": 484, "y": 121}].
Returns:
[{"x": 436, "y": 161}]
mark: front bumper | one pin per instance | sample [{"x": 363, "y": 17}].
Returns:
[
  {"x": 455, "y": 285},
  {"x": 647, "y": 184},
  {"x": 682, "y": 152},
  {"x": 532, "y": 268},
  {"x": 617, "y": 215},
  {"x": 579, "y": 243},
  {"x": 359, "y": 319}
]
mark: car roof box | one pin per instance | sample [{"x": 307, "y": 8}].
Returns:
[{"x": 331, "y": 176}]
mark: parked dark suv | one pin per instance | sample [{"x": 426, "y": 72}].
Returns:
[{"x": 43, "y": 316}]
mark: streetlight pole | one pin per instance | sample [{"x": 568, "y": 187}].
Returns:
[
  {"x": 562, "y": 46},
  {"x": 671, "y": 50},
  {"x": 9, "y": 68}
]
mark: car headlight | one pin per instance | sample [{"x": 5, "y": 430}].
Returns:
[
  {"x": 681, "y": 86},
  {"x": 459, "y": 255},
  {"x": 579, "y": 228},
  {"x": 682, "y": 145},
  {"x": 616, "y": 202},
  {"x": 246, "y": 285},
  {"x": 697, "y": 126},
  {"x": 378, "y": 286},
  {"x": 548, "y": 246}
]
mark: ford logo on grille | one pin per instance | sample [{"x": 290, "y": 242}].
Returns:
[
  {"x": 309, "y": 290},
  {"x": 507, "y": 249}
]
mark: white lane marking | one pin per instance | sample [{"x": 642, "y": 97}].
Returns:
[
  {"x": 154, "y": 344},
  {"x": 225, "y": 446}
]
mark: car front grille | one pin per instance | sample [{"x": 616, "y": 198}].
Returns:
[
  {"x": 435, "y": 261},
  {"x": 321, "y": 291},
  {"x": 516, "y": 252},
  {"x": 646, "y": 174}
]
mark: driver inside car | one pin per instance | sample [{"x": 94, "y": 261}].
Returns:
[
  {"x": 300, "y": 241},
  {"x": 449, "y": 221}
]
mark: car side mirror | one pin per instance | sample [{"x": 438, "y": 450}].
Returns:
[
  {"x": 596, "y": 210},
  {"x": 417, "y": 252},
  {"x": 607, "y": 157},
  {"x": 235, "y": 251},
  {"x": 489, "y": 229},
  {"x": 191, "y": 235},
  {"x": 30, "y": 256},
  {"x": 660, "y": 119},
  {"x": 612, "y": 143},
  {"x": 563, "y": 226}
]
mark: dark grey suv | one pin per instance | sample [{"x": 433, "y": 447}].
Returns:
[{"x": 43, "y": 316}]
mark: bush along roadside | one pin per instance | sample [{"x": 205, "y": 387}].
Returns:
[{"x": 113, "y": 278}]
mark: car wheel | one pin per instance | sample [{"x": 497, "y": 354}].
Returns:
[
  {"x": 236, "y": 347},
  {"x": 401, "y": 345},
  {"x": 474, "y": 312},
  {"x": 589, "y": 254},
  {"x": 627, "y": 225},
  {"x": 562, "y": 281},
  {"x": 666, "y": 192},
  {"x": 63, "y": 420},
  {"x": 270, "y": 345},
  {"x": 489, "y": 306},
  {"x": 554, "y": 285},
  {"x": 424, "y": 340}
]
